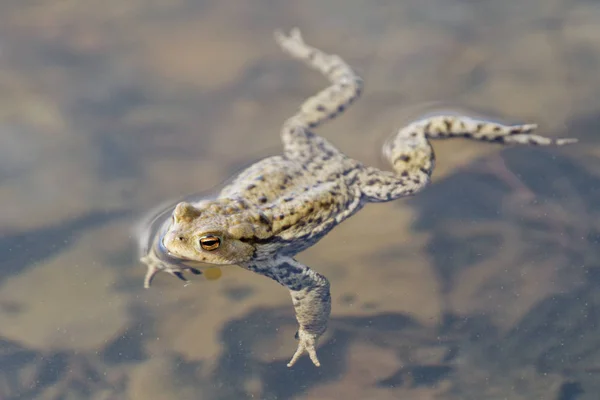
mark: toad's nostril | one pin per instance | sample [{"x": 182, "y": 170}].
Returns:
[{"x": 180, "y": 238}]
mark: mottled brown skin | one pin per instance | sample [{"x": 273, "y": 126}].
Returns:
[{"x": 284, "y": 204}]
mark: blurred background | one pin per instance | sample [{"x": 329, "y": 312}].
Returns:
[{"x": 484, "y": 286}]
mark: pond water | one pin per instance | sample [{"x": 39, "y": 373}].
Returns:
[{"x": 484, "y": 286}]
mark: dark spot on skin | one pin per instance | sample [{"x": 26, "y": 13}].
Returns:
[
  {"x": 320, "y": 108},
  {"x": 467, "y": 135},
  {"x": 404, "y": 158},
  {"x": 280, "y": 217},
  {"x": 289, "y": 268},
  {"x": 423, "y": 170},
  {"x": 285, "y": 227},
  {"x": 283, "y": 274},
  {"x": 372, "y": 182},
  {"x": 417, "y": 181},
  {"x": 262, "y": 199},
  {"x": 310, "y": 210},
  {"x": 318, "y": 220},
  {"x": 312, "y": 124},
  {"x": 497, "y": 128},
  {"x": 412, "y": 134},
  {"x": 264, "y": 220},
  {"x": 295, "y": 287},
  {"x": 533, "y": 142},
  {"x": 250, "y": 187},
  {"x": 281, "y": 187},
  {"x": 404, "y": 174},
  {"x": 448, "y": 124},
  {"x": 341, "y": 108},
  {"x": 480, "y": 126},
  {"x": 287, "y": 199},
  {"x": 298, "y": 297}
]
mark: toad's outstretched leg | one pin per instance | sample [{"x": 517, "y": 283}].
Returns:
[
  {"x": 346, "y": 87},
  {"x": 413, "y": 159},
  {"x": 310, "y": 296}
]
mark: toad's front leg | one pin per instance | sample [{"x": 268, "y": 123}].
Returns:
[{"x": 310, "y": 296}]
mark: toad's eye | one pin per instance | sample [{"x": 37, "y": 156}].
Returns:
[{"x": 210, "y": 242}]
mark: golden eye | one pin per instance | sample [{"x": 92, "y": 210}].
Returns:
[{"x": 210, "y": 242}]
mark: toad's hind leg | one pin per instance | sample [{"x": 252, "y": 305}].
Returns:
[
  {"x": 345, "y": 87},
  {"x": 412, "y": 156}
]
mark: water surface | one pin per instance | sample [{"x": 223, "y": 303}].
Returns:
[{"x": 485, "y": 286}]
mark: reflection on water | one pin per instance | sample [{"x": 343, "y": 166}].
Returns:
[{"x": 483, "y": 286}]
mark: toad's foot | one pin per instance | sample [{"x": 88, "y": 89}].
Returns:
[
  {"x": 306, "y": 344},
  {"x": 156, "y": 265}
]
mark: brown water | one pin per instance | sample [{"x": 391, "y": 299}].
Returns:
[{"x": 485, "y": 286}]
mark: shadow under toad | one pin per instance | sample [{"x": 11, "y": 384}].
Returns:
[
  {"x": 549, "y": 203},
  {"x": 240, "y": 337}
]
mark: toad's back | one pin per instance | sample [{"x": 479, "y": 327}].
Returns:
[{"x": 302, "y": 201}]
